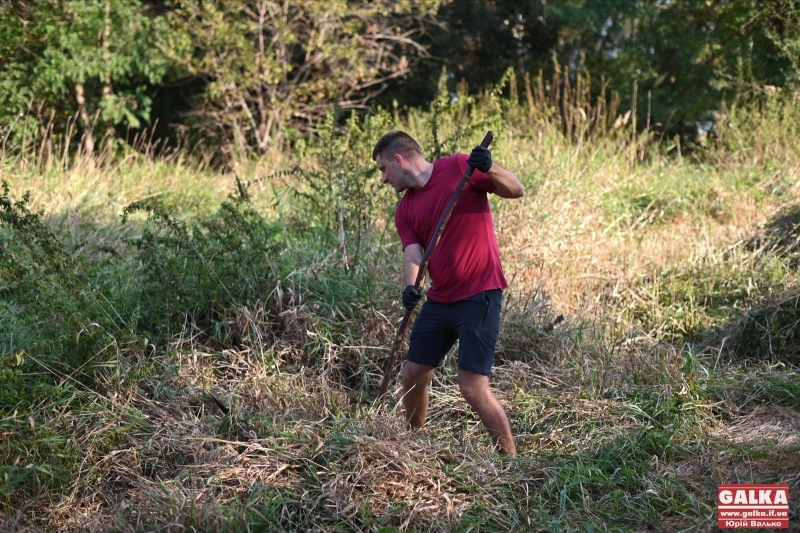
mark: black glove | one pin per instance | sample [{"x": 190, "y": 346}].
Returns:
[
  {"x": 480, "y": 158},
  {"x": 411, "y": 297}
]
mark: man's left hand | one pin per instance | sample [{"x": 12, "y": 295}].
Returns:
[{"x": 481, "y": 159}]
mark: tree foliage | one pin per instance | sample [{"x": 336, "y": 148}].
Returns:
[
  {"x": 89, "y": 59},
  {"x": 271, "y": 63},
  {"x": 261, "y": 69},
  {"x": 478, "y": 41},
  {"x": 687, "y": 54}
]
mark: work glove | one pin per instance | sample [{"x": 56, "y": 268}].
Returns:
[
  {"x": 411, "y": 297},
  {"x": 480, "y": 158}
]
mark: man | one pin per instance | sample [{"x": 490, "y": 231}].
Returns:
[{"x": 466, "y": 275}]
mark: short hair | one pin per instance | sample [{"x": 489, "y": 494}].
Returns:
[{"x": 396, "y": 142}]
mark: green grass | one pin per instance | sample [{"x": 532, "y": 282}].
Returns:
[{"x": 211, "y": 359}]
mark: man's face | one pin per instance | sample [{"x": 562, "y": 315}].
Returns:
[{"x": 391, "y": 171}]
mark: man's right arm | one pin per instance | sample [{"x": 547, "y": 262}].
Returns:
[
  {"x": 412, "y": 257},
  {"x": 411, "y": 261}
]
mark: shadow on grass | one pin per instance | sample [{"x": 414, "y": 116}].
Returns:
[
  {"x": 781, "y": 236},
  {"x": 768, "y": 328}
]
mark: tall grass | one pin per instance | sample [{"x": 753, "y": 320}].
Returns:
[{"x": 185, "y": 349}]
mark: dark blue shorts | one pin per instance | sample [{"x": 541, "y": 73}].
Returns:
[{"x": 474, "y": 322}]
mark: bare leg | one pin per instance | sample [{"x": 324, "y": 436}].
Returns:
[
  {"x": 475, "y": 389},
  {"x": 415, "y": 392}
]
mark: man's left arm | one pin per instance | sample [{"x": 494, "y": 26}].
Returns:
[{"x": 507, "y": 184}]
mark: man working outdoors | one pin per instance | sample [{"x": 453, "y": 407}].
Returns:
[{"x": 467, "y": 278}]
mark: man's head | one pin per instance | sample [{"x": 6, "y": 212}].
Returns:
[
  {"x": 398, "y": 157},
  {"x": 396, "y": 142}
]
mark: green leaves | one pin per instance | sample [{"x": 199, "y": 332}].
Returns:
[
  {"x": 686, "y": 54},
  {"x": 256, "y": 68},
  {"x": 83, "y": 58}
]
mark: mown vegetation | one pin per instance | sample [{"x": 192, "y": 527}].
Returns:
[{"x": 200, "y": 277}]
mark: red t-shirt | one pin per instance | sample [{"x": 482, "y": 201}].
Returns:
[{"x": 466, "y": 260}]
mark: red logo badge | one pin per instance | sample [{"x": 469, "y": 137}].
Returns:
[{"x": 753, "y": 506}]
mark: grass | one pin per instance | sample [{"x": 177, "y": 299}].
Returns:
[{"x": 210, "y": 361}]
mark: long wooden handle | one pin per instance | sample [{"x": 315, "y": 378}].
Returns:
[{"x": 448, "y": 210}]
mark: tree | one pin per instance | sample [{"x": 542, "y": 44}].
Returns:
[
  {"x": 688, "y": 54},
  {"x": 477, "y": 41},
  {"x": 269, "y": 63},
  {"x": 88, "y": 59}
]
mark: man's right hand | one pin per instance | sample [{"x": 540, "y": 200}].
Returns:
[{"x": 411, "y": 297}]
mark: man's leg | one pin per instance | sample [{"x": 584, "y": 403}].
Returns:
[
  {"x": 415, "y": 392},
  {"x": 478, "y": 320},
  {"x": 431, "y": 338},
  {"x": 475, "y": 389}
]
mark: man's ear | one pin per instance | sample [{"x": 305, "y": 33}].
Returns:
[{"x": 398, "y": 159}]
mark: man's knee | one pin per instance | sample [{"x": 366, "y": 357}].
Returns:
[
  {"x": 474, "y": 387},
  {"x": 416, "y": 375},
  {"x": 408, "y": 378}
]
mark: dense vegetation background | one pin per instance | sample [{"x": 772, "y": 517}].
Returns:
[
  {"x": 199, "y": 275},
  {"x": 243, "y": 76}
]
